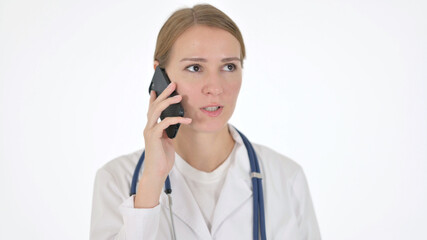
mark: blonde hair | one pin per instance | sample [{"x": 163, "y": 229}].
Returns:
[{"x": 182, "y": 19}]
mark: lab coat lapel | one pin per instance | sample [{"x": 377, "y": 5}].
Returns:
[
  {"x": 237, "y": 188},
  {"x": 185, "y": 207}
]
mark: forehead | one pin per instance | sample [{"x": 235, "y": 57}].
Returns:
[{"x": 207, "y": 42}]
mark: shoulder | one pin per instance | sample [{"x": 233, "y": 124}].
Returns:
[
  {"x": 119, "y": 171},
  {"x": 276, "y": 164},
  {"x": 123, "y": 164}
]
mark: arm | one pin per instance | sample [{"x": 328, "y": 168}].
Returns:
[
  {"x": 114, "y": 215},
  {"x": 304, "y": 210},
  {"x": 138, "y": 217}
]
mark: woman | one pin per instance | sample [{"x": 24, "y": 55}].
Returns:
[{"x": 207, "y": 162}]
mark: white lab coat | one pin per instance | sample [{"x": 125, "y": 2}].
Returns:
[{"x": 289, "y": 210}]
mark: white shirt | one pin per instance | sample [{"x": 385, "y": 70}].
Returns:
[
  {"x": 288, "y": 207},
  {"x": 205, "y": 186}
]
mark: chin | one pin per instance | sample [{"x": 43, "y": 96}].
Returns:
[
  {"x": 207, "y": 126},
  {"x": 204, "y": 124}
]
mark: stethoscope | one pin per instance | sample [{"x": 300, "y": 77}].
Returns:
[{"x": 258, "y": 200}]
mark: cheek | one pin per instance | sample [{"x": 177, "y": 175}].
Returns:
[
  {"x": 189, "y": 94},
  {"x": 234, "y": 89},
  {"x": 233, "y": 82}
]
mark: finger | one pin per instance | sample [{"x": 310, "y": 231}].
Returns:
[
  {"x": 154, "y": 99},
  {"x": 150, "y": 105},
  {"x": 152, "y": 96},
  {"x": 154, "y": 113},
  {"x": 165, "y": 123},
  {"x": 167, "y": 92}
]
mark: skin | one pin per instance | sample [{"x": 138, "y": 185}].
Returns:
[{"x": 205, "y": 69}]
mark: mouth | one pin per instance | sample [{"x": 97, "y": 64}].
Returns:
[{"x": 212, "y": 110}]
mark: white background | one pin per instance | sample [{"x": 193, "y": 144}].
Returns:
[{"x": 338, "y": 86}]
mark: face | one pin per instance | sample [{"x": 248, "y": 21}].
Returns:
[{"x": 205, "y": 64}]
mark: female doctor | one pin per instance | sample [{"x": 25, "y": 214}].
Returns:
[{"x": 213, "y": 189}]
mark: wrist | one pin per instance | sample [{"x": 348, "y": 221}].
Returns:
[{"x": 148, "y": 191}]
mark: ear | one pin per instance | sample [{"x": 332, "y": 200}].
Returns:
[{"x": 156, "y": 63}]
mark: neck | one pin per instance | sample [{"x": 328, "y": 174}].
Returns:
[{"x": 204, "y": 151}]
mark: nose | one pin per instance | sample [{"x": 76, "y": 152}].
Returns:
[{"x": 213, "y": 85}]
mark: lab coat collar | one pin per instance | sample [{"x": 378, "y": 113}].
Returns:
[{"x": 236, "y": 191}]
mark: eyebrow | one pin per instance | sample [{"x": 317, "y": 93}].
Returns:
[{"x": 229, "y": 59}]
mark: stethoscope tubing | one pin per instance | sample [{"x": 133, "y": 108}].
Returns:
[{"x": 258, "y": 199}]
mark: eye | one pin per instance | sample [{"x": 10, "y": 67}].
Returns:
[
  {"x": 229, "y": 67},
  {"x": 193, "y": 68}
]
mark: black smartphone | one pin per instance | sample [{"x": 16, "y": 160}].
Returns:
[{"x": 158, "y": 84}]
